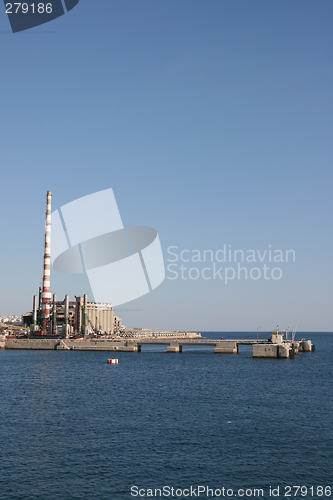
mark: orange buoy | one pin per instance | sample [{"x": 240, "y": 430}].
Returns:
[{"x": 113, "y": 361}]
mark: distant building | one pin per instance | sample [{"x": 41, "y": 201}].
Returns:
[
  {"x": 118, "y": 327},
  {"x": 117, "y": 324},
  {"x": 10, "y": 320}
]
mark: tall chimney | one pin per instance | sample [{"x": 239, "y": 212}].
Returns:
[
  {"x": 34, "y": 311},
  {"x": 66, "y": 316},
  {"x": 54, "y": 314},
  {"x": 46, "y": 294}
]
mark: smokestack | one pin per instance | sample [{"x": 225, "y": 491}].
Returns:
[
  {"x": 54, "y": 315},
  {"x": 46, "y": 295},
  {"x": 85, "y": 306},
  {"x": 66, "y": 316},
  {"x": 34, "y": 311}
]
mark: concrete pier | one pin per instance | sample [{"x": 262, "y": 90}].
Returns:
[
  {"x": 226, "y": 347},
  {"x": 260, "y": 349},
  {"x": 97, "y": 345},
  {"x": 307, "y": 345},
  {"x": 174, "y": 347},
  {"x": 283, "y": 350},
  {"x": 72, "y": 345},
  {"x": 296, "y": 347},
  {"x": 45, "y": 344}
]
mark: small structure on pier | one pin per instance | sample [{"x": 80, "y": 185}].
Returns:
[{"x": 280, "y": 347}]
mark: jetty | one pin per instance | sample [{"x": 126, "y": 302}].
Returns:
[{"x": 275, "y": 347}]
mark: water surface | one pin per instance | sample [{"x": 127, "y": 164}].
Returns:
[{"x": 75, "y": 427}]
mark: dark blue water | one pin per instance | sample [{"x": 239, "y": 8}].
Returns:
[{"x": 75, "y": 427}]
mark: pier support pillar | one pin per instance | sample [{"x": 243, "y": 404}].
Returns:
[
  {"x": 226, "y": 347},
  {"x": 285, "y": 350},
  {"x": 296, "y": 347},
  {"x": 307, "y": 346},
  {"x": 133, "y": 347},
  {"x": 174, "y": 347}
]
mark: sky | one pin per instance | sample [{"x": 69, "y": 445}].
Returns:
[{"x": 211, "y": 120}]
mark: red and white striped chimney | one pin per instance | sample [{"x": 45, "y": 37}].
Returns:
[{"x": 46, "y": 295}]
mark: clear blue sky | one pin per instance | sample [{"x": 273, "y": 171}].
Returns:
[{"x": 212, "y": 122}]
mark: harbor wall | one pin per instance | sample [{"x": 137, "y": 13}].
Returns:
[
  {"x": 45, "y": 344},
  {"x": 259, "y": 350},
  {"x": 97, "y": 345},
  {"x": 71, "y": 345}
]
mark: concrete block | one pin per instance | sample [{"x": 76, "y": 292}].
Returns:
[
  {"x": 45, "y": 344},
  {"x": 265, "y": 350},
  {"x": 307, "y": 345},
  {"x": 285, "y": 350},
  {"x": 296, "y": 347},
  {"x": 131, "y": 347},
  {"x": 174, "y": 347},
  {"x": 97, "y": 345},
  {"x": 226, "y": 347}
]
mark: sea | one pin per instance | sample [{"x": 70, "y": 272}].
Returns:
[{"x": 167, "y": 425}]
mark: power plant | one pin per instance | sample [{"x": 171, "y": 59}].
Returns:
[
  {"x": 69, "y": 325},
  {"x": 66, "y": 318}
]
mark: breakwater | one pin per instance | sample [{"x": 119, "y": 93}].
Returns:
[{"x": 260, "y": 348}]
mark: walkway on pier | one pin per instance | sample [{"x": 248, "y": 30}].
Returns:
[{"x": 176, "y": 345}]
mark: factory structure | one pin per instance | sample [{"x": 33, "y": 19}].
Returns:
[
  {"x": 50, "y": 317},
  {"x": 70, "y": 325}
]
